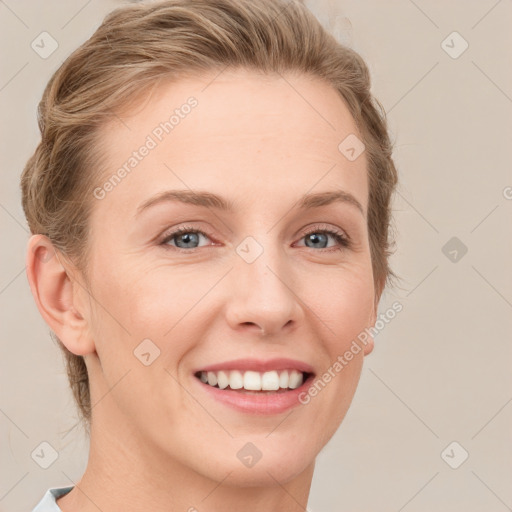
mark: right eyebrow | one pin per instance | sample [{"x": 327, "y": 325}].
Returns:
[{"x": 206, "y": 199}]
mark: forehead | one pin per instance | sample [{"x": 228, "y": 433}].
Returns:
[{"x": 237, "y": 132}]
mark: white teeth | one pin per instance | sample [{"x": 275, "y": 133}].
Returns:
[
  {"x": 270, "y": 381},
  {"x": 236, "y": 379},
  {"x": 212, "y": 378},
  {"x": 295, "y": 379},
  {"x": 283, "y": 379},
  {"x": 222, "y": 380},
  {"x": 254, "y": 381}
]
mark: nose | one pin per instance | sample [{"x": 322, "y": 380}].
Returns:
[{"x": 265, "y": 297}]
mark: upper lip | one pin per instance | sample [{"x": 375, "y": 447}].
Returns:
[{"x": 259, "y": 365}]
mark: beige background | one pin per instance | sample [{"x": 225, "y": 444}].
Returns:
[{"x": 441, "y": 370}]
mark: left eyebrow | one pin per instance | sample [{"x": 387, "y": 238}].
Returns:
[
  {"x": 324, "y": 198},
  {"x": 210, "y": 200}
]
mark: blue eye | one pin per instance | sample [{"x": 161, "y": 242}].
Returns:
[
  {"x": 188, "y": 238},
  {"x": 320, "y": 236}
]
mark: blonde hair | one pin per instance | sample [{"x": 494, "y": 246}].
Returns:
[{"x": 138, "y": 45}]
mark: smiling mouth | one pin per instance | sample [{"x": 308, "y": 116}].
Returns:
[{"x": 252, "y": 382}]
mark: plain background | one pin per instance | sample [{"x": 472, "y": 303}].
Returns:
[{"x": 441, "y": 370}]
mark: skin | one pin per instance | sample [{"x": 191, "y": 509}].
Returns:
[{"x": 158, "y": 441}]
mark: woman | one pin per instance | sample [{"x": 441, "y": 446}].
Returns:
[{"x": 209, "y": 208}]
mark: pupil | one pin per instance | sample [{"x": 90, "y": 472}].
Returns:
[
  {"x": 316, "y": 238},
  {"x": 188, "y": 238}
]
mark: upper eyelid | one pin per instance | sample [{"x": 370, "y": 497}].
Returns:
[
  {"x": 327, "y": 228},
  {"x": 186, "y": 229}
]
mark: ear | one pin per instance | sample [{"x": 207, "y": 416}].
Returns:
[
  {"x": 368, "y": 348},
  {"x": 58, "y": 296}
]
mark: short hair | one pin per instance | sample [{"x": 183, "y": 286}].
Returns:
[{"x": 136, "y": 47}]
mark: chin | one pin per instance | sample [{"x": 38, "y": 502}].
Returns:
[{"x": 271, "y": 468}]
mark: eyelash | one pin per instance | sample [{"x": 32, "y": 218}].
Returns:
[{"x": 343, "y": 241}]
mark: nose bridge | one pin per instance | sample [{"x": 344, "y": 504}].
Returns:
[
  {"x": 263, "y": 284},
  {"x": 261, "y": 265}
]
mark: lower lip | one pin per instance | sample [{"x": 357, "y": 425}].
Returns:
[{"x": 265, "y": 402}]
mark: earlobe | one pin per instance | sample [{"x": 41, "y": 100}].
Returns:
[
  {"x": 369, "y": 345},
  {"x": 54, "y": 291},
  {"x": 373, "y": 317}
]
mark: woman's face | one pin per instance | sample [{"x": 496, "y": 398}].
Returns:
[{"x": 259, "y": 280}]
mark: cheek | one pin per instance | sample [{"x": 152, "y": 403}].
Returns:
[
  {"x": 137, "y": 304},
  {"x": 137, "y": 314},
  {"x": 145, "y": 298},
  {"x": 343, "y": 305}
]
